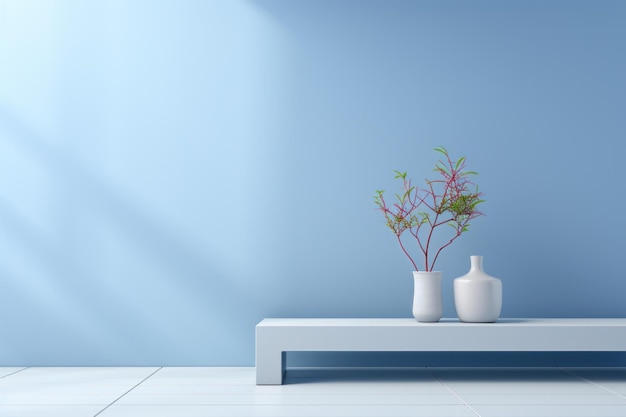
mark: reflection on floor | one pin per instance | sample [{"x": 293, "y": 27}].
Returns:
[{"x": 359, "y": 392}]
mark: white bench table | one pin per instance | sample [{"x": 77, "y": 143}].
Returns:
[{"x": 275, "y": 337}]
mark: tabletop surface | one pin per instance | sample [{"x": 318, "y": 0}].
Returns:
[{"x": 446, "y": 322}]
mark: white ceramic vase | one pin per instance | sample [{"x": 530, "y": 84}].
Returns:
[
  {"x": 427, "y": 299},
  {"x": 477, "y": 295}
]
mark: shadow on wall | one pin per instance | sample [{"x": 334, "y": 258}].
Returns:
[{"x": 74, "y": 300}]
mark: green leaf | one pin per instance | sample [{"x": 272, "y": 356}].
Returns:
[
  {"x": 400, "y": 174},
  {"x": 441, "y": 168},
  {"x": 441, "y": 150},
  {"x": 459, "y": 162}
]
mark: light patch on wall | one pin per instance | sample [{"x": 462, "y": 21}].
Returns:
[{"x": 137, "y": 144}]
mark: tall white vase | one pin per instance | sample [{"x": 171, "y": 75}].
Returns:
[
  {"x": 477, "y": 295},
  {"x": 427, "y": 299}
]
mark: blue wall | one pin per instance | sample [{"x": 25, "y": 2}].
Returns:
[{"x": 171, "y": 172}]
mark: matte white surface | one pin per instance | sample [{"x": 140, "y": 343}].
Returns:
[
  {"x": 477, "y": 295},
  {"x": 274, "y": 337},
  {"x": 427, "y": 298},
  {"x": 339, "y": 392}
]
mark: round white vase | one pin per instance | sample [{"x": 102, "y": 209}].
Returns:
[
  {"x": 427, "y": 299},
  {"x": 477, "y": 295}
]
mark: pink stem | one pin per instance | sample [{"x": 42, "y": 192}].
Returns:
[{"x": 406, "y": 253}]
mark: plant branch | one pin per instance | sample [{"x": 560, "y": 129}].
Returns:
[
  {"x": 407, "y": 253},
  {"x": 412, "y": 210}
]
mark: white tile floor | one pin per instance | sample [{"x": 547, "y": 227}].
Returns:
[{"x": 391, "y": 392}]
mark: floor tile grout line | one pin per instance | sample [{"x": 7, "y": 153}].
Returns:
[
  {"x": 13, "y": 373},
  {"x": 593, "y": 383},
  {"x": 452, "y": 391},
  {"x": 132, "y": 388}
]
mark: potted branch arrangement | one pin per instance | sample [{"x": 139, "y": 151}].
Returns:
[{"x": 449, "y": 202}]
